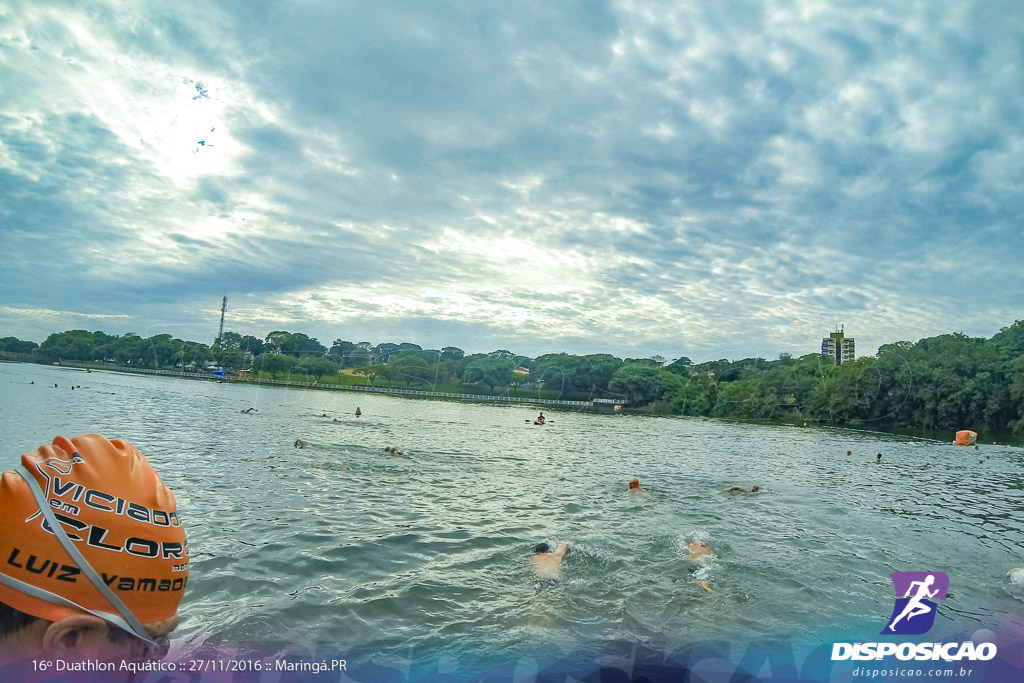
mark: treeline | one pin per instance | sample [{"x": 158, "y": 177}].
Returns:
[{"x": 946, "y": 382}]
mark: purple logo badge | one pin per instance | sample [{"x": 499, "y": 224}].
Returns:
[{"x": 914, "y": 612}]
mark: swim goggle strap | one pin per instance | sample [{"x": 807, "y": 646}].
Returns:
[{"x": 124, "y": 619}]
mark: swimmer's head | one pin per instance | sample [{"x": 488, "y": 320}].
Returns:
[
  {"x": 118, "y": 520},
  {"x": 755, "y": 487},
  {"x": 542, "y": 548},
  {"x": 634, "y": 483}
]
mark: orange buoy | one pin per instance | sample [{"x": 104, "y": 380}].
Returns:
[{"x": 966, "y": 437}]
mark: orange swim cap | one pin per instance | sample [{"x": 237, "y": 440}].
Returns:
[{"x": 120, "y": 551}]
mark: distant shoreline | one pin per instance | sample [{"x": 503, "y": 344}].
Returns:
[
  {"x": 317, "y": 386},
  {"x": 937, "y": 436}
]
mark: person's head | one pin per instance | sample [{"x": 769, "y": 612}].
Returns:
[
  {"x": 634, "y": 483},
  {"x": 755, "y": 487},
  {"x": 849, "y": 452},
  {"x": 542, "y": 548},
  {"x": 108, "y": 583}
]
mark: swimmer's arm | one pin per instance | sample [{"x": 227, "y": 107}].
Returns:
[{"x": 560, "y": 550}]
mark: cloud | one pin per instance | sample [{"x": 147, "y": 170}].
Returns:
[{"x": 619, "y": 175}]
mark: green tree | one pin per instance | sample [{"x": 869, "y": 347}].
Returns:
[
  {"x": 382, "y": 352},
  {"x": 1010, "y": 340},
  {"x": 274, "y": 363},
  {"x": 452, "y": 353},
  {"x": 253, "y": 345},
  {"x": 318, "y": 366},
  {"x": 694, "y": 397},
  {"x": 341, "y": 352},
  {"x": 299, "y": 345},
  {"x": 448, "y": 370},
  {"x": 387, "y": 371},
  {"x": 103, "y": 345},
  {"x": 273, "y": 341},
  {"x": 407, "y": 347},
  {"x": 489, "y": 370},
  {"x": 127, "y": 348},
  {"x": 227, "y": 350},
  {"x": 1017, "y": 394},
  {"x": 641, "y": 384},
  {"x": 749, "y": 397},
  {"x": 594, "y": 372},
  {"x": 361, "y": 355},
  {"x": 158, "y": 350},
  {"x": 412, "y": 369},
  {"x": 188, "y": 353},
  {"x": 70, "y": 345},
  {"x": 371, "y": 372},
  {"x": 15, "y": 345},
  {"x": 555, "y": 371},
  {"x": 681, "y": 365}
]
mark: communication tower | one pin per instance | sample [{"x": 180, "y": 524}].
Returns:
[{"x": 223, "y": 310}]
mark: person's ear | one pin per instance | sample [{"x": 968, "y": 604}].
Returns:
[{"x": 75, "y": 636}]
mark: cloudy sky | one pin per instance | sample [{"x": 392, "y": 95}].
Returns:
[{"x": 710, "y": 179}]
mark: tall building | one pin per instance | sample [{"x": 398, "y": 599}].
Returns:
[{"x": 838, "y": 346}]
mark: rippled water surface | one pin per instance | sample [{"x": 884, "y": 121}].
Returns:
[{"x": 340, "y": 543}]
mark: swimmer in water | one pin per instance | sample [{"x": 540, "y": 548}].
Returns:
[
  {"x": 393, "y": 450},
  {"x": 299, "y": 443},
  {"x": 248, "y": 411},
  {"x": 700, "y": 556},
  {"x": 878, "y": 458},
  {"x": 547, "y": 562},
  {"x": 45, "y": 618},
  {"x": 737, "y": 489},
  {"x": 634, "y": 486}
]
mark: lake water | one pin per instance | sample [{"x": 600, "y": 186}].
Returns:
[{"x": 425, "y": 557}]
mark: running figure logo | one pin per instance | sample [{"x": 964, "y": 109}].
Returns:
[{"x": 914, "y": 612}]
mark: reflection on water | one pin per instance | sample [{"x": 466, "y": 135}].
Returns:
[{"x": 338, "y": 542}]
